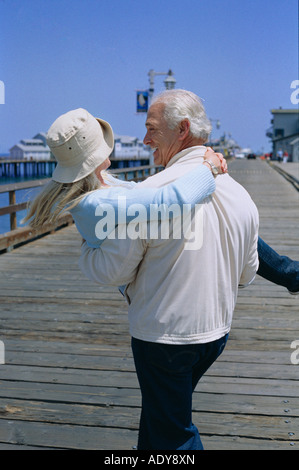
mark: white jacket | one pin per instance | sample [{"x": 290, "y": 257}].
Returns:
[{"x": 181, "y": 291}]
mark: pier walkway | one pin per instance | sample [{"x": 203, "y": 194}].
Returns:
[{"x": 69, "y": 382}]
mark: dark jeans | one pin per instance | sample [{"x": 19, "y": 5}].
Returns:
[
  {"x": 168, "y": 375},
  {"x": 276, "y": 268}
]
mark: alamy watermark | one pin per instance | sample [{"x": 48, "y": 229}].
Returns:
[
  {"x": 295, "y": 354},
  {"x": 152, "y": 222},
  {"x": 295, "y": 95},
  {"x": 2, "y": 353},
  {"x": 2, "y": 92}
]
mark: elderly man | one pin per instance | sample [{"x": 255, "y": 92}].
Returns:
[{"x": 181, "y": 295}]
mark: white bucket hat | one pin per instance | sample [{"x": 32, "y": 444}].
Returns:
[{"x": 80, "y": 143}]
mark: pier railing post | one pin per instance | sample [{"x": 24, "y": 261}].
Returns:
[{"x": 13, "y": 215}]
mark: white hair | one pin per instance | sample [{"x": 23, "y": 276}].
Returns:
[{"x": 183, "y": 104}]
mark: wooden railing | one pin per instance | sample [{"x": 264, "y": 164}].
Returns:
[
  {"x": 21, "y": 235},
  {"x": 13, "y": 208},
  {"x": 290, "y": 178}
]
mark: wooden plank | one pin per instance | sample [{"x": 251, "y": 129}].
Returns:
[
  {"x": 230, "y": 354},
  {"x": 128, "y": 419},
  {"x": 94, "y": 394},
  {"x": 111, "y": 378},
  {"x": 240, "y": 443},
  {"x": 4, "y": 188},
  {"x": 222, "y": 367},
  {"x": 61, "y": 436},
  {"x": 12, "y": 208}
]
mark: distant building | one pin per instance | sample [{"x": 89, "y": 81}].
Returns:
[
  {"x": 31, "y": 149},
  {"x": 37, "y": 149},
  {"x": 225, "y": 144},
  {"x": 129, "y": 147},
  {"x": 284, "y": 132},
  {"x": 42, "y": 136}
]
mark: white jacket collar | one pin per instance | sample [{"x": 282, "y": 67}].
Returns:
[{"x": 188, "y": 153}]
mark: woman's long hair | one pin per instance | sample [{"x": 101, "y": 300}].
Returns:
[{"x": 57, "y": 198}]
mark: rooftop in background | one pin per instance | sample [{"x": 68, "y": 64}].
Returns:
[
  {"x": 31, "y": 149},
  {"x": 284, "y": 111},
  {"x": 284, "y": 133},
  {"x": 130, "y": 147}
]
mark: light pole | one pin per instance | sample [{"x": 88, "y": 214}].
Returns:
[
  {"x": 218, "y": 124},
  {"x": 169, "y": 81}
]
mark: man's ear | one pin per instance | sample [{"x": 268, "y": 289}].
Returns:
[{"x": 184, "y": 128}]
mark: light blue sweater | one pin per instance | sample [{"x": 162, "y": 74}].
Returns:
[{"x": 192, "y": 188}]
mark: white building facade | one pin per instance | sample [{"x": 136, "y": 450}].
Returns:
[
  {"x": 31, "y": 149},
  {"x": 284, "y": 132},
  {"x": 129, "y": 148}
]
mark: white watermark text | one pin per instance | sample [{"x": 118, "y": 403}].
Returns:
[
  {"x": 2, "y": 353},
  {"x": 295, "y": 95},
  {"x": 151, "y": 222},
  {"x": 2, "y": 92},
  {"x": 295, "y": 354}
]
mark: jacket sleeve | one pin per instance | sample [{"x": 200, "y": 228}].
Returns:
[{"x": 114, "y": 263}]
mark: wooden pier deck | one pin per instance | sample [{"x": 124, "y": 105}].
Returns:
[{"x": 69, "y": 382}]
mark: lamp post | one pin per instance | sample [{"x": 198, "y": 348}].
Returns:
[
  {"x": 169, "y": 81},
  {"x": 218, "y": 124}
]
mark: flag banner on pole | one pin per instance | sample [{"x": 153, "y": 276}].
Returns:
[{"x": 142, "y": 101}]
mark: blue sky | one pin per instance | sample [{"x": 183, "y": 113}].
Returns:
[{"x": 57, "y": 55}]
